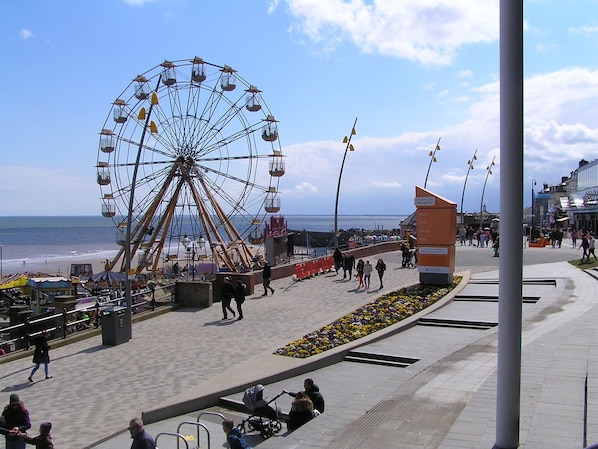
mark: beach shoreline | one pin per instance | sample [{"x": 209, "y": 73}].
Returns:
[
  {"x": 61, "y": 265},
  {"x": 55, "y": 266}
]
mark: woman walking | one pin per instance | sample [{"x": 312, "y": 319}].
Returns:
[
  {"x": 41, "y": 354},
  {"x": 359, "y": 269},
  {"x": 367, "y": 274},
  {"x": 380, "y": 268}
]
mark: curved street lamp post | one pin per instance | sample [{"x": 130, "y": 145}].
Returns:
[
  {"x": 488, "y": 173},
  {"x": 346, "y": 140},
  {"x": 432, "y": 159},
  {"x": 128, "y": 316},
  {"x": 469, "y": 168}
]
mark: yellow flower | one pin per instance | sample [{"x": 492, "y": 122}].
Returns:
[{"x": 376, "y": 315}]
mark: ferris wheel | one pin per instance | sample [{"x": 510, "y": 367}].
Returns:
[{"x": 200, "y": 150}]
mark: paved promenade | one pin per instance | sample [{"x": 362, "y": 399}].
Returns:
[{"x": 446, "y": 399}]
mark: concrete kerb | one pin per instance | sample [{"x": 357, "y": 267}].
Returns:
[{"x": 269, "y": 368}]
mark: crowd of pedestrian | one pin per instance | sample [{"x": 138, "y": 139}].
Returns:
[
  {"x": 481, "y": 238},
  {"x": 363, "y": 269}
]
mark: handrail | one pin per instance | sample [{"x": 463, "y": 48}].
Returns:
[
  {"x": 196, "y": 424},
  {"x": 210, "y": 413},
  {"x": 25, "y": 335},
  {"x": 177, "y": 435}
]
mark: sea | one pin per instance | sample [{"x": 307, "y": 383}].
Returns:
[{"x": 33, "y": 242}]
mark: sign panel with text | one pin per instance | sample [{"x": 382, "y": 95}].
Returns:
[{"x": 436, "y": 220}]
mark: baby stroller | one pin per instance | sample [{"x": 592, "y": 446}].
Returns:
[
  {"x": 409, "y": 258},
  {"x": 263, "y": 417}
]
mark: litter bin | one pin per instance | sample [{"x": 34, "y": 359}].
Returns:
[{"x": 114, "y": 329}]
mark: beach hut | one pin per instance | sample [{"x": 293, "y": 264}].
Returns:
[{"x": 44, "y": 289}]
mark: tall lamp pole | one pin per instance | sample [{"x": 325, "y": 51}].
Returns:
[
  {"x": 190, "y": 250},
  {"x": 432, "y": 159},
  {"x": 533, "y": 202},
  {"x": 346, "y": 140},
  {"x": 186, "y": 241},
  {"x": 469, "y": 168},
  {"x": 488, "y": 173},
  {"x": 154, "y": 130}
]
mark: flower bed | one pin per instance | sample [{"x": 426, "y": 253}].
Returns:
[{"x": 374, "y": 316}]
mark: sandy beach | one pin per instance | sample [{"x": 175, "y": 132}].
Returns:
[{"x": 61, "y": 266}]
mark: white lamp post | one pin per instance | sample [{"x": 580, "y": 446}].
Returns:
[
  {"x": 201, "y": 243},
  {"x": 212, "y": 248},
  {"x": 186, "y": 241}
]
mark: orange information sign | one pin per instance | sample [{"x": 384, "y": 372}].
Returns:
[{"x": 436, "y": 220}]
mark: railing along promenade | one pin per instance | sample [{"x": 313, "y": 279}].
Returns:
[{"x": 82, "y": 322}]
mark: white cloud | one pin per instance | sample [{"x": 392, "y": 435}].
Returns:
[
  {"x": 26, "y": 34},
  {"x": 559, "y": 130},
  {"x": 301, "y": 190},
  {"x": 429, "y": 32},
  {"x": 386, "y": 184},
  {"x": 273, "y": 5},
  {"x": 585, "y": 31},
  {"x": 543, "y": 48}
]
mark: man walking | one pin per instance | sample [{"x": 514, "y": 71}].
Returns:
[
  {"x": 226, "y": 295},
  {"x": 141, "y": 439},
  {"x": 585, "y": 246},
  {"x": 348, "y": 265},
  {"x": 266, "y": 276}
]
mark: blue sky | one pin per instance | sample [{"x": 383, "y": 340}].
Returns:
[{"x": 412, "y": 71}]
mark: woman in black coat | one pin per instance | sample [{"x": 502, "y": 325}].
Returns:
[
  {"x": 302, "y": 411},
  {"x": 14, "y": 421},
  {"x": 41, "y": 355}
]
